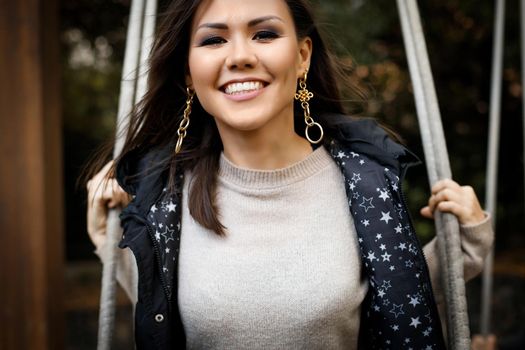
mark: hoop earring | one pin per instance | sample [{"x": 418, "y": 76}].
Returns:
[
  {"x": 185, "y": 123},
  {"x": 304, "y": 96}
]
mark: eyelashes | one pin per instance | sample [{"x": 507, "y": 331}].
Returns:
[
  {"x": 263, "y": 35},
  {"x": 214, "y": 40}
]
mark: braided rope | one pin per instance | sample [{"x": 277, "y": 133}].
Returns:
[
  {"x": 438, "y": 167},
  {"x": 140, "y": 35}
]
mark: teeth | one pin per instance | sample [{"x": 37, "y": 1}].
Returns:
[{"x": 237, "y": 88}]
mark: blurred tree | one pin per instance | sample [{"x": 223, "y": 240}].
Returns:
[
  {"x": 459, "y": 39},
  {"x": 366, "y": 34}
]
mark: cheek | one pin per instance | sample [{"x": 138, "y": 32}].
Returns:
[
  {"x": 283, "y": 62},
  {"x": 204, "y": 74},
  {"x": 198, "y": 68}
]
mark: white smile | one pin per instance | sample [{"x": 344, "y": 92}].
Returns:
[{"x": 240, "y": 88}]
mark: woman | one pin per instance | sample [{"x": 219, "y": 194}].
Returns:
[{"x": 269, "y": 223}]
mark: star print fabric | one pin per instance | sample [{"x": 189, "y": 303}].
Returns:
[
  {"x": 399, "y": 311},
  {"x": 164, "y": 218}
]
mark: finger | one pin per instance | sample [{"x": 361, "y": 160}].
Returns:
[
  {"x": 453, "y": 208},
  {"x": 447, "y": 194},
  {"x": 426, "y": 212},
  {"x": 445, "y": 183},
  {"x": 118, "y": 196}
]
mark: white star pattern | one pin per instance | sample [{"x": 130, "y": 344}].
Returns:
[
  {"x": 171, "y": 206},
  {"x": 413, "y": 301},
  {"x": 384, "y": 195},
  {"x": 168, "y": 235},
  {"x": 386, "y": 285},
  {"x": 397, "y": 310},
  {"x": 385, "y": 217},
  {"x": 367, "y": 204},
  {"x": 385, "y": 238},
  {"x": 398, "y": 228},
  {"x": 415, "y": 322}
]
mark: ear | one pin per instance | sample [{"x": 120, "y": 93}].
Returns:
[
  {"x": 305, "y": 55},
  {"x": 187, "y": 76},
  {"x": 189, "y": 81}
]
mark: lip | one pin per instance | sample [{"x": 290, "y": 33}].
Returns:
[{"x": 246, "y": 95}]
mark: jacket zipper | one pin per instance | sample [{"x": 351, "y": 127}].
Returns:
[{"x": 156, "y": 252}]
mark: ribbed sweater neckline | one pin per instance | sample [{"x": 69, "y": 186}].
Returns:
[{"x": 266, "y": 179}]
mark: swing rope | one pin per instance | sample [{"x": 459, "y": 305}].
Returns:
[
  {"x": 140, "y": 34},
  {"x": 438, "y": 167},
  {"x": 492, "y": 158}
]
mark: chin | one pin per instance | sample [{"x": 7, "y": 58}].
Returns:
[{"x": 241, "y": 123}]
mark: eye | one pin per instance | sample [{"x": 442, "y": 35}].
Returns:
[
  {"x": 212, "y": 41},
  {"x": 265, "y": 35}
]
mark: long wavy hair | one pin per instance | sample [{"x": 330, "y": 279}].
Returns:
[{"x": 154, "y": 121}]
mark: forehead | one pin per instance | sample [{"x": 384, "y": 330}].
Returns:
[{"x": 239, "y": 11}]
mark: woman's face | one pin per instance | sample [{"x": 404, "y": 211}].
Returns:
[{"x": 244, "y": 62}]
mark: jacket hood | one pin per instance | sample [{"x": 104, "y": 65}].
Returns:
[
  {"x": 365, "y": 135},
  {"x": 144, "y": 175}
]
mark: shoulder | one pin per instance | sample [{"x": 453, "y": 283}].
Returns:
[
  {"x": 366, "y": 137},
  {"x": 144, "y": 174}
]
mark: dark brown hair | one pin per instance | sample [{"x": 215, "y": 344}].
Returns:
[{"x": 154, "y": 121}]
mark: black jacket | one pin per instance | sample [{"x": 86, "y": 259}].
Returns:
[{"x": 399, "y": 309}]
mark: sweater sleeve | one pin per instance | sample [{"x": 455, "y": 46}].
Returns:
[
  {"x": 127, "y": 273},
  {"x": 476, "y": 242}
]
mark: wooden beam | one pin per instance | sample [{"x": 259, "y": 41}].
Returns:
[{"x": 31, "y": 196}]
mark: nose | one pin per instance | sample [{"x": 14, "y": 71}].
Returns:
[{"x": 241, "y": 55}]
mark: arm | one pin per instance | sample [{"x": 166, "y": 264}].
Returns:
[
  {"x": 476, "y": 233},
  {"x": 104, "y": 193},
  {"x": 476, "y": 241}
]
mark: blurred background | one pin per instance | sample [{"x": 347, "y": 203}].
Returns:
[{"x": 74, "y": 58}]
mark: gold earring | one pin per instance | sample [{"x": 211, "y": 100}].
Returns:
[
  {"x": 304, "y": 96},
  {"x": 185, "y": 119}
]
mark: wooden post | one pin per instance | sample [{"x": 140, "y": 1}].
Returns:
[{"x": 31, "y": 196}]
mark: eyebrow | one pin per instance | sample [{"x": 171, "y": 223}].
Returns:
[{"x": 252, "y": 23}]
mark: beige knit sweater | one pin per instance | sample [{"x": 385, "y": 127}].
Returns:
[{"x": 288, "y": 273}]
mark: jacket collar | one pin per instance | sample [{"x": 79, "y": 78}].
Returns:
[
  {"x": 144, "y": 174},
  {"x": 366, "y": 136}
]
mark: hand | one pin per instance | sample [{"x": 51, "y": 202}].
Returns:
[
  {"x": 480, "y": 342},
  {"x": 103, "y": 193},
  {"x": 449, "y": 197}
]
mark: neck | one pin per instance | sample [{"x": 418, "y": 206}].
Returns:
[{"x": 273, "y": 146}]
